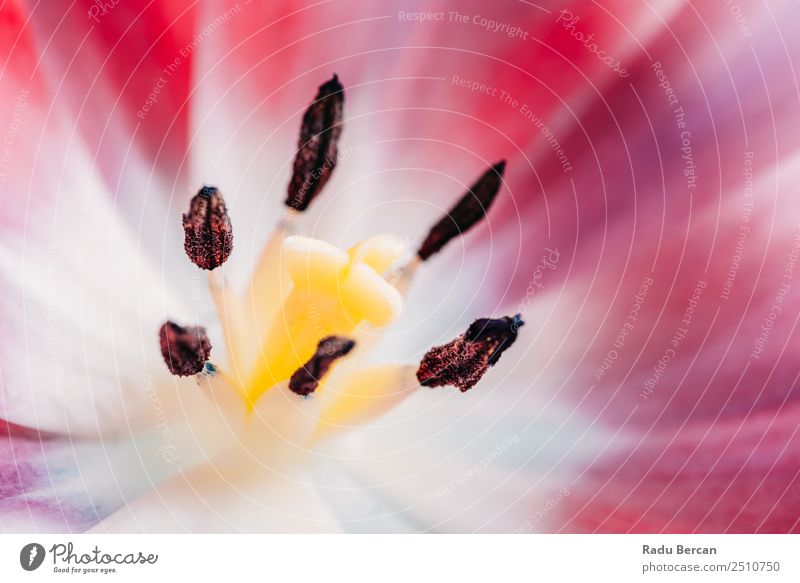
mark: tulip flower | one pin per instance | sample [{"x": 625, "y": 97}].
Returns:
[{"x": 265, "y": 267}]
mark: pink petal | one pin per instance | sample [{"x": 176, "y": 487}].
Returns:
[
  {"x": 735, "y": 475},
  {"x": 709, "y": 433},
  {"x": 102, "y": 65}
]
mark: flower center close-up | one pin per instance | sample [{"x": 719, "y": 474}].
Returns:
[
  {"x": 310, "y": 303},
  {"x": 274, "y": 266}
]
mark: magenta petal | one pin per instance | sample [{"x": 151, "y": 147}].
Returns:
[
  {"x": 106, "y": 64},
  {"x": 701, "y": 383},
  {"x": 733, "y": 476}
]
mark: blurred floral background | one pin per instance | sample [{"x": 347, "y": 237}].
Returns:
[{"x": 648, "y": 232}]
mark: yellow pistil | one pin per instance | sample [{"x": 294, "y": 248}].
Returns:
[{"x": 333, "y": 292}]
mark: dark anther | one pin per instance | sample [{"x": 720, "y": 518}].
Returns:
[
  {"x": 207, "y": 228},
  {"x": 472, "y": 207},
  {"x": 306, "y": 379},
  {"x": 463, "y": 361},
  {"x": 317, "y": 149},
  {"x": 185, "y": 349}
]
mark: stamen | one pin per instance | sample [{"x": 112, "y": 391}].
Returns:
[
  {"x": 185, "y": 349},
  {"x": 207, "y": 227},
  {"x": 306, "y": 379},
  {"x": 463, "y": 361},
  {"x": 472, "y": 207},
  {"x": 318, "y": 149}
]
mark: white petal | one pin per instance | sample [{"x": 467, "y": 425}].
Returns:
[
  {"x": 235, "y": 493},
  {"x": 447, "y": 464},
  {"x": 80, "y": 310}
]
